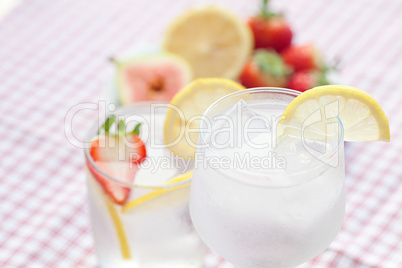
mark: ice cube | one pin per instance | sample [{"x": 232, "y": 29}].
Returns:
[{"x": 240, "y": 125}]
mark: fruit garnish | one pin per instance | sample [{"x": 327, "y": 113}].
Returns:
[
  {"x": 152, "y": 78},
  {"x": 158, "y": 192},
  {"x": 266, "y": 68},
  {"x": 215, "y": 42},
  {"x": 362, "y": 117},
  {"x": 117, "y": 154},
  {"x": 303, "y": 57},
  {"x": 114, "y": 216},
  {"x": 118, "y": 225},
  {"x": 306, "y": 79},
  {"x": 186, "y": 108},
  {"x": 270, "y": 30}
]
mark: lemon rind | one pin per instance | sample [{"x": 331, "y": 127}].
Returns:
[{"x": 346, "y": 92}]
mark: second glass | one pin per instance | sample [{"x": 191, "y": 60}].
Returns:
[{"x": 152, "y": 228}]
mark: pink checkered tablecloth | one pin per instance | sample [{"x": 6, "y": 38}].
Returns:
[{"x": 53, "y": 57}]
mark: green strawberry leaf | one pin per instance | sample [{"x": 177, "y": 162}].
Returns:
[
  {"x": 270, "y": 62},
  {"x": 265, "y": 10},
  {"x": 108, "y": 123},
  {"x": 121, "y": 128},
  {"x": 322, "y": 79},
  {"x": 136, "y": 130}
]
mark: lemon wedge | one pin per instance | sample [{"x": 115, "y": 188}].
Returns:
[
  {"x": 215, "y": 42},
  {"x": 362, "y": 117},
  {"x": 183, "y": 118},
  {"x": 114, "y": 215},
  {"x": 136, "y": 202},
  {"x": 118, "y": 225}
]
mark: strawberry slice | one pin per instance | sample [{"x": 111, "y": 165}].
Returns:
[{"x": 118, "y": 155}]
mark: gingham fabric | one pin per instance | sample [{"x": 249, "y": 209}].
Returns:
[{"x": 53, "y": 56}]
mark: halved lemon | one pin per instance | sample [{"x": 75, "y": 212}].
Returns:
[
  {"x": 362, "y": 117},
  {"x": 214, "y": 41},
  {"x": 183, "y": 117}
]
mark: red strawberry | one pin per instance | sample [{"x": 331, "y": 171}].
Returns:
[
  {"x": 270, "y": 30},
  {"x": 307, "y": 79},
  {"x": 304, "y": 57},
  {"x": 265, "y": 69},
  {"x": 118, "y": 155}
]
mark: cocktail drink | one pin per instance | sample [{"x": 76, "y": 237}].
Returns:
[
  {"x": 138, "y": 194},
  {"x": 263, "y": 195}
]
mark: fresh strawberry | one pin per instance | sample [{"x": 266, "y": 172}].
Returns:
[
  {"x": 304, "y": 57},
  {"x": 265, "y": 69},
  {"x": 118, "y": 155},
  {"x": 307, "y": 79},
  {"x": 270, "y": 30}
]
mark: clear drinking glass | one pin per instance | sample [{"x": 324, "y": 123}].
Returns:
[
  {"x": 260, "y": 200},
  {"x": 153, "y": 228}
]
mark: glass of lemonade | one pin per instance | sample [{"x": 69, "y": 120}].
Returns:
[
  {"x": 152, "y": 226},
  {"x": 261, "y": 196}
]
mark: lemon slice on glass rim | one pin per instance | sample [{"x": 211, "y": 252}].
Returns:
[
  {"x": 362, "y": 117},
  {"x": 186, "y": 109}
]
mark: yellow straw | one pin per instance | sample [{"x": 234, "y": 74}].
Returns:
[
  {"x": 136, "y": 202},
  {"x": 118, "y": 225}
]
